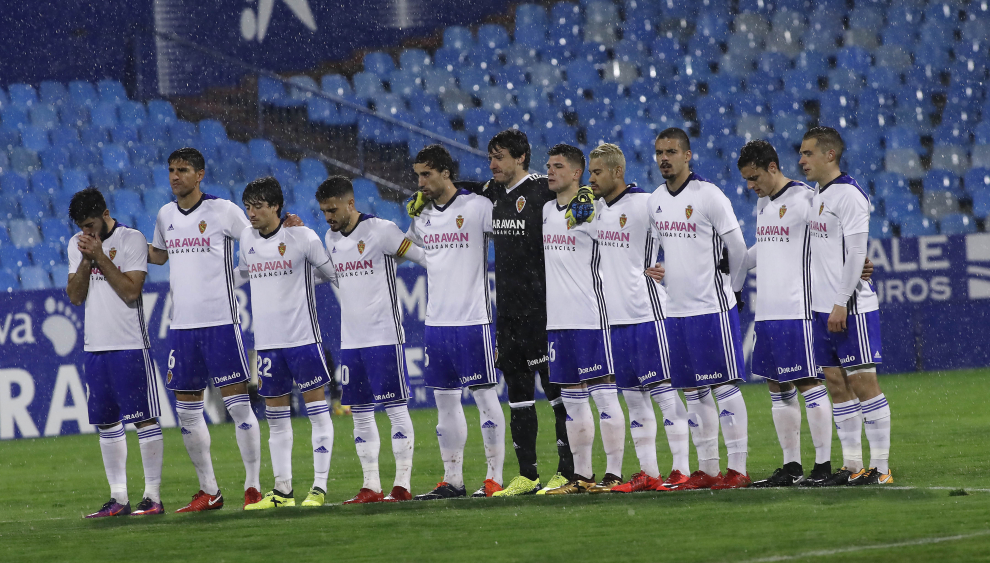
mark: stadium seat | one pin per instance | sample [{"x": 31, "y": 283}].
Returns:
[
  {"x": 115, "y": 157},
  {"x": 937, "y": 204},
  {"x": 957, "y": 224},
  {"x": 47, "y": 256},
  {"x": 918, "y": 226},
  {"x": 111, "y": 91},
  {"x": 35, "y": 207},
  {"x": 905, "y": 162},
  {"x": 880, "y": 228},
  {"x": 900, "y": 206},
  {"x": 24, "y": 233},
  {"x": 942, "y": 180},
  {"x": 34, "y": 138},
  {"x": 55, "y": 230},
  {"x": 22, "y": 95},
  {"x": 981, "y": 205},
  {"x": 950, "y": 157}
]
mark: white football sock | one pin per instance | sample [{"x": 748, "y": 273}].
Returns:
[
  {"x": 248, "y": 434},
  {"x": 612, "y": 422},
  {"x": 703, "y": 421},
  {"x": 152, "y": 451},
  {"x": 786, "y": 414},
  {"x": 819, "y": 410},
  {"x": 848, "y": 417},
  {"x": 643, "y": 428},
  {"x": 367, "y": 442},
  {"x": 113, "y": 444},
  {"x": 322, "y": 440},
  {"x": 580, "y": 429},
  {"x": 280, "y": 445},
  {"x": 452, "y": 434},
  {"x": 675, "y": 424},
  {"x": 734, "y": 420},
  {"x": 876, "y": 416},
  {"x": 492, "y": 430},
  {"x": 196, "y": 437},
  {"x": 403, "y": 438}
]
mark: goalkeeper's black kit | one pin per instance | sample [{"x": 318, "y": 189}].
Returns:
[{"x": 521, "y": 333}]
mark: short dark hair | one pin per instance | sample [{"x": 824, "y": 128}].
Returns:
[
  {"x": 437, "y": 158},
  {"x": 570, "y": 153},
  {"x": 86, "y": 204},
  {"x": 515, "y": 142},
  {"x": 190, "y": 155},
  {"x": 828, "y": 140},
  {"x": 759, "y": 153},
  {"x": 676, "y": 133},
  {"x": 266, "y": 190},
  {"x": 334, "y": 186}
]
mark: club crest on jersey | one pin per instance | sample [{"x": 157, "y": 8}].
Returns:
[
  {"x": 460, "y": 221},
  {"x": 821, "y": 208},
  {"x": 688, "y": 211},
  {"x": 168, "y": 377},
  {"x": 281, "y": 249},
  {"x": 360, "y": 247},
  {"x": 783, "y": 209},
  {"x": 202, "y": 227},
  {"x": 622, "y": 220},
  {"x": 112, "y": 253},
  {"x": 520, "y": 204}
]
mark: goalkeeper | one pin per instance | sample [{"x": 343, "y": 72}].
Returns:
[{"x": 520, "y": 283}]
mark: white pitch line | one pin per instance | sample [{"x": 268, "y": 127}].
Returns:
[{"x": 828, "y": 552}]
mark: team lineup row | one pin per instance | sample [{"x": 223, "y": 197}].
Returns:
[{"x": 583, "y": 305}]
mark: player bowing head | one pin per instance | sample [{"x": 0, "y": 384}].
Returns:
[
  {"x": 577, "y": 324},
  {"x": 372, "y": 358},
  {"x": 108, "y": 262},
  {"x": 279, "y": 264},
  {"x": 846, "y": 310}
]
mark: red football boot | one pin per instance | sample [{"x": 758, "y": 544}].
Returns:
[
  {"x": 699, "y": 480},
  {"x": 398, "y": 494},
  {"x": 674, "y": 480},
  {"x": 202, "y": 501},
  {"x": 366, "y": 496},
  {"x": 251, "y": 496},
  {"x": 639, "y": 482},
  {"x": 733, "y": 480}
]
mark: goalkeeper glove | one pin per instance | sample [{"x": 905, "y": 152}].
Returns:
[
  {"x": 581, "y": 209},
  {"x": 416, "y": 203}
]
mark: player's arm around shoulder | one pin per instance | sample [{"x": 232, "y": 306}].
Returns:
[{"x": 394, "y": 243}]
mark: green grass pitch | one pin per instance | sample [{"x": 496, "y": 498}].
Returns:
[{"x": 939, "y": 443}]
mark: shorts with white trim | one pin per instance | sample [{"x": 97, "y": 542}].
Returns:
[
  {"x": 639, "y": 354},
  {"x": 121, "y": 386},
  {"x": 784, "y": 351},
  {"x": 459, "y": 356},
  {"x": 279, "y": 367},
  {"x": 705, "y": 349},
  {"x": 200, "y": 356},
  {"x": 578, "y": 355},
  {"x": 859, "y": 344},
  {"x": 376, "y": 374}
]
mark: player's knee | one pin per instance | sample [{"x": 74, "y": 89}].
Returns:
[{"x": 146, "y": 423}]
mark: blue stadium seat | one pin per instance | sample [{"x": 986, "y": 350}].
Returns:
[
  {"x": 56, "y": 231},
  {"x": 957, "y": 224},
  {"x": 104, "y": 115},
  {"x": 212, "y": 133},
  {"x": 903, "y": 138},
  {"x": 74, "y": 180},
  {"x": 286, "y": 172},
  {"x": 54, "y": 159},
  {"x": 45, "y": 182},
  {"x": 125, "y": 135},
  {"x": 977, "y": 180},
  {"x": 52, "y": 93},
  {"x": 981, "y": 204},
  {"x": 47, "y": 256},
  {"x": 34, "y": 278},
  {"x": 583, "y": 74},
  {"x": 880, "y": 228},
  {"x": 365, "y": 193},
  {"x": 13, "y": 118},
  {"x": 313, "y": 170},
  {"x": 154, "y": 200},
  {"x": 887, "y": 184},
  {"x": 143, "y": 155},
  {"x": 44, "y": 117},
  {"x": 132, "y": 113},
  {"x": 802, "y": 84},
  {"x": 413, "y": 60},
  {"x": 34, "y": 138},
  {"x": 379, "y": 63},
  {"x": 336, "y": 84},
  {"x": 900, "y": 206},
  {"x": 254, "y": 170},
  {"x": 182, "y": 134},
  {"x": 22, "y": 95},
  {"x": 161, "y": 112},
  {"x": 83, "y": 93},
  {"x": 34, "y": 207},
  {"x": 235, "y": 151},
  {"x": 24, "y": 233},
  {"x": 111, "y": 91},
  {"x": 918, "y": 226},
  {"x": 942, "y": 180},
  {"x": 115, "y": 157},
  {"x": 24, "y": 161},
  {"x": 154, "y": 134},
  {"x": 458, "y": 37}
]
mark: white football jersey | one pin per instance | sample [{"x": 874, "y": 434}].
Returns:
[
  {"x": 110, "y": 323},
  {"x": 370, "y": 314},
  {"x": 200, "y": 245},
  {"x": 455, "y": 239},
  {"x": 839, "y": 208},
  {"x": 783, "y": 254},
  {"x": 628, "y": 248},
  {"x": 688, "y": 225},
  {"x": 575, "y": 297},
  {"x": 283, "y": 302}
]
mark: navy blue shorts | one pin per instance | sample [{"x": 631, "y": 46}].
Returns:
[
  {"x": 459, "y": 356},
  {"x": 579, "y": 355},
  {"x": 279, "y": 367},
  {"x": 705, "y": 349},
  {"x": 376, "y": 374},
  {"x": 200, "y": 356},
  {"x": 639, "y": 353},
  {"x": 858, "y": 345},
  {"x": 784, "y": 350},
  {"x": 120, "y": 386}
]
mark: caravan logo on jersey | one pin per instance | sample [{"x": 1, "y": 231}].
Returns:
[
  {"x": 783, "y": 209},
  {"x": 460, "y": 221},
  {"x": 202, "y": 227},
  {"x": 520, "y": 204},
  {"x": 622, "y": 221},
  {"x": 112, "y": 254},
  {"x": 281, "y": 249},
  {"x": 688, "y": 211},
  {"x": 360, "y": 247}
]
